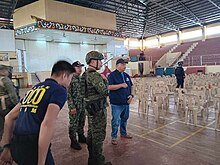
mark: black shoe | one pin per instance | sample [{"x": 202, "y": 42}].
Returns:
[
  {"x": 82, "y": 139},
  {"x": 108, "y": 163},
  {"x": 75, "y": 145}
]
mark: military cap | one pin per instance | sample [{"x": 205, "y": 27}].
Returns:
[
  {"x": 77, "y": 63},
  {"x": 94, "y": 55},
  {"x": 7, "y": 67}
]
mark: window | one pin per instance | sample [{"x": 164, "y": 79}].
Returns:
[
  {"x": 151, "y": 43},
  {"x": 168, "y": 39},
  {"x": 134, "y": 44},
  {"x": 192, "y": 34},
  {"x": 213, "y": 30}
]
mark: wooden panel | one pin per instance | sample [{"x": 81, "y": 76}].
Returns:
[
  {"x": 22, "y": 16},
  {"x": 191, "y": 70},
  {"x": 212, "y": 69},
  {"x": 77, "y": 15}
]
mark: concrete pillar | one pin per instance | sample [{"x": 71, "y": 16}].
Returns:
[
  {"x": 128, "y": 43},
  {"x": 204, "y": 33},
  {"x": 179, "y": 37},
  {"x": 29, "y": 80},
  {"x": 142, "y": 45},
  {"x": 159, "y": 40}
]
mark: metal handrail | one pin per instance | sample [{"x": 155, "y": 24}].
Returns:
[
  {"x": 202, "y": 59},
  {"x": 27, "y": 71}
]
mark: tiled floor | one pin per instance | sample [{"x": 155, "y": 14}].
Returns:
[{"x": 168, "y": 142}]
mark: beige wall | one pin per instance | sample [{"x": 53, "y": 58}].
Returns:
[
  {"x": 212, "y": 69},
  {"x": 168, "y": 34},
  {"x": 214, "y": 24},
  {"x": 22, "y": 16},
  {"x": 64, "y": 13},
  {"x": 43, "y": 75},
  {"x": 77, "y": 15},
  {"x": 162, "y": 61},
  {"x": 171, "y": 57},
  {"x": 168, "y": 59},
  {"x": 23, "y": 78},
  {"x": 134, "y": 67}
]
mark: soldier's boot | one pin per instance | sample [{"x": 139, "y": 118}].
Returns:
[
  {"x": 95, "y": 161},
  {"x": 75, "y": 145},
  {"x": 91, "y": 161},
  {"x": 82, "y": 138}
]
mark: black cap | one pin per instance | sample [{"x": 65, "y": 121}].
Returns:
[
  {"x": 180, "y": 63},
  {"x": 77, "y": 63},
  {"x": 121, "y": 61}
]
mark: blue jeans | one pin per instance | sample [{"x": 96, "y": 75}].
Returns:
[{"x": 120, "y": 115}]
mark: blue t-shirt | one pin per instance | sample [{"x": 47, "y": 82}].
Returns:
[
  {"x": 34, "y": 106},
  {"x": 120, "y": 96}
]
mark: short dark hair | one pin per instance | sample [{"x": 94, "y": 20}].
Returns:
[{"x": 61, "y": 67}]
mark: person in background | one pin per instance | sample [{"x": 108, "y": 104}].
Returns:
[
  {"x": 8, "y": 96},
  {"x": 120, "y": 87},
  {"x": 180, "y": 75},
  {"x": 77, "y": 111},
  {"x": 95, "y": 91},
  {"x": 30, "y": 125}
]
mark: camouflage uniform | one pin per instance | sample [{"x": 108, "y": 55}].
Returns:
[
  {"x": 8, "y": 97},
  {"x": 77, "y": 121},
  {"x": 94, "y": 89}
]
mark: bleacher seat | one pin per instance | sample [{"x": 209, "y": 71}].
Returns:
[{"x": 205, "y": 53}]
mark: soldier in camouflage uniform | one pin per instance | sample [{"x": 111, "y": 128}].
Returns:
[
  {"x": 77, "y": 112},
  {"x": 94, "y": 89},
  {"x": 8, "y": 96}
]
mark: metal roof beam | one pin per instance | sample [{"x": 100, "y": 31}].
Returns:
[
  {"x": 214, "y": 4},
  {"x": 5, "y": 3},
  {"x": 172, "y": 11},
  {"x": 189, "y": 11},
  {"x": 14, "y": 4},
  {"x": 162, "y": 22},
  {"x": 107, "y": 5},
  {"x": 102, "y": 2}
]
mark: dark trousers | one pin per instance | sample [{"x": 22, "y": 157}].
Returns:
[
  {"x": 96, "y": 136},
  {"x": 77, "y": 123},
  {"x": 3, "y": 113},
  {"x": 180, "y": 82},
  {"x": 24, "y": 150}
]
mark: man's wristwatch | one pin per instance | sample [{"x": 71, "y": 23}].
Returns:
[{"x": 132, "y": 96}]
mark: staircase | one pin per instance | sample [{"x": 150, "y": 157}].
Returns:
[
  {"x": 175, "y": 62},
  {"x": 171, "y": 50},
  {"x": 162, "y": 60},
  {"x": 188, "y": 51}
]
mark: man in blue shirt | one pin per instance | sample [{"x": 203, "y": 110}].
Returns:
[
  {"x": 30, "y": 125},
  {"x": 120, "y": 87}
]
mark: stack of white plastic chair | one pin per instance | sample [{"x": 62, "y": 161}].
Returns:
[
  {"x": 179, "y": 97},
  {"x": 203, "y": 102},
  {"x": 192, "y": 107},
  {"x": 217, "y": 110},
  {"x": 160, "y": 99}
]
